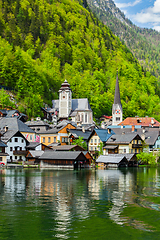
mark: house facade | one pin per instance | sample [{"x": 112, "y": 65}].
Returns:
[
  {"x": 123, "y": 143},
  {"x": 16, "y": 146}
]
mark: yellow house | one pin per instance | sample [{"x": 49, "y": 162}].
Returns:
[{"x": 57, "y": 135}]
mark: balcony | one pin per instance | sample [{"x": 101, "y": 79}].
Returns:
[
  {"x": 136, "y": 145},
  {"x": 20, "y": 152}
]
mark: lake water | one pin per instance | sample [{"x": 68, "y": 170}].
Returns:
[{"x": 86, "y": 204}]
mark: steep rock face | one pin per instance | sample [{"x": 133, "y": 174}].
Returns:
[{"x": 144, "y": 43}]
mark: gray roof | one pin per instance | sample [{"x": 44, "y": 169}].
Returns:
[
  {"x": 129, "y": 156},
  {"x": 60, "y": 155},
  {"x": 36, "y": 153},
  {"x": 60, "y": 126},
  {"x": 122, "y": 138},
  {"x": 111, "y": 158},
  {"x": 65, "y": 147},
  {"x": 33, "y": 145},
  {"x": 77, "y": 105},
  {"x": 14, "y": 124},
  {"x": 36, "y": 123},
  {"x": 10, "y": 133},
  {"x": 110, "y": 147},
  {"x": 79, "y": 133}
]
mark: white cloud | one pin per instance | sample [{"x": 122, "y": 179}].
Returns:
[
  {"x": 157, "y": 28},
  {"x": 130, "y": 4},
  {"x": 149, "y": 15}
]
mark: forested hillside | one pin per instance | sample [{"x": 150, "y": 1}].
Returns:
[
  {"x": 143, "y": 43},
  {"x": 44, "y": 42}
]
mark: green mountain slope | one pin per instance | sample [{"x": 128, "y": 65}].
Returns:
[
  {"x": 44, "y": 42},
  {"x": 143, "y": 43}
]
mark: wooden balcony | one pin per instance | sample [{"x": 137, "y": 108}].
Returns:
[
  {"x": 136, "y": 145},
  {"x": 20, "y": 152}
]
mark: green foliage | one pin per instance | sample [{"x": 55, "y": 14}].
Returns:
[
  {"x": 5, "y": 101},
  {"x": 146, "y": 158},
  {"x": 80, "y": 142},
  {"x": 44, "y": 42}
]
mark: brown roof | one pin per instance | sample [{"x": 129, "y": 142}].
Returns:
[{"x": 142, "y": 121}]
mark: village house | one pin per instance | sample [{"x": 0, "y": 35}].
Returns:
[
  {"x": 14, "y": 124},
  {"x": 38, "y": 125},
  {"x": 58, "y": 134},
  {"x": 16, "y": 145},
  {"x": 140, "y": 121},
  {"x": 123, "y": 143},
  {"x": 97, "y": 137},
  {"x": 3, "y": 154}
]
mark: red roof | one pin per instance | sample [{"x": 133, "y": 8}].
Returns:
[
  {"x": 142, "y": 121},
  {"x": 107, "y": 117}
]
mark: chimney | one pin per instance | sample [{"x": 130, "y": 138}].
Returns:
[
  {"x": 109, "y": 131},
  {"x": 133, "y": 128},
  {"x": 6, "y": 128}
]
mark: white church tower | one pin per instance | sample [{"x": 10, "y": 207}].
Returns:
[
  {"x": 65, "y": 100},
  {"x": 117, "y": 112}
]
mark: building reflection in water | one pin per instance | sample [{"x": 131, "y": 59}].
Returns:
[{"x": 70, "y": 195}]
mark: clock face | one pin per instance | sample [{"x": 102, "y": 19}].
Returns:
[{"x": 118, "y": 111}]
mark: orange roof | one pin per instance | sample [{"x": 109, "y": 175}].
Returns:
[{"x": 142, "y": 121}]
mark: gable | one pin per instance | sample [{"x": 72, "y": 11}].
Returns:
[{"x": 68, "y": 126}]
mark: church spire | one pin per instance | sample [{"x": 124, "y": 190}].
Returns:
[
  {"x": 117, "y": 99},
  {"x": 117, "y": 112}
]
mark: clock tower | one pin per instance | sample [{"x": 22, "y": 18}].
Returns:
[
  {"x": 65, "y": 100},
  {"x": 117, "y": 112}
]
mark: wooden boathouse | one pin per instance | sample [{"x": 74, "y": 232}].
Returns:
[{"x": 63, "y": 159}]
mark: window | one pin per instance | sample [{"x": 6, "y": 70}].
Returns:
[
  {"x": 139, "y": 141},
  {"x": 82, "y": 117},
  {"x": 124, "y": 150},
  {"x": 131, "y": 150},
  {"x": 95, "y": 140},
  {"x": 99, "y": 140},
  {"x": 49, "y": 139},
  {"x": 0, "y": 149},
  {"x": 135, "y": 150},
  {"x": 157, "y": 146},
  {"x": 15, "y": 148},
  {"x": 86, "y": 117},
  {"x": 31, "y": 137},
  {"x": 20, "y": 157},
  {"x": 10, "y": 140},
  {"x": 43, "y": 139},
  {"x": 91, "y": 148},
  {"x": 134, "y": 141},
  {"x": 10, "y": 148},
  {"x": 16, "y": 139},
  {"x": 92, "y": 140},
  {"x": 38, "y": 129},
  {"x": 22, "y": 140},
  {"x": 20, "y": 149},
  {"x": 10, "y": 157},
  {"x": 0, "y": 159},
  {"x": 117, "y": 119},
  {"x": 15, "y": 157},
  {"x": 64, "y": 139},
  {"x": 54, "y": 139}
]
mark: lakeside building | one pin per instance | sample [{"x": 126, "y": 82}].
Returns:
[{"x": 65, "y": 107}]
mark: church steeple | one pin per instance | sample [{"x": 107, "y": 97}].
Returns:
[
  {"x": 117, "y": 112},
  {"x": 117, "y": 99},
  {"x": 65, "y": 100}
]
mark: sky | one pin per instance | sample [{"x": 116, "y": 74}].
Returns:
[{"x": 143, "y": 13}]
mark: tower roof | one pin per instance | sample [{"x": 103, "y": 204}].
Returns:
[
  {"x": 65, "y": 86},
  {"x": 117, "y": 99}
]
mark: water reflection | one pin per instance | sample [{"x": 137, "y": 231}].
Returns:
[{"x": 57, "y": 202}]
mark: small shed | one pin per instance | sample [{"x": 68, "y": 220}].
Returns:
[
  {"x": 112, "y": 161},
  {"x": 63, "y": 159}
]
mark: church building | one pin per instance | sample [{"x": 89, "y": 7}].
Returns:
[
  {"x": 117, "y": 112},
  {"x": 65, "y": 107}
]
